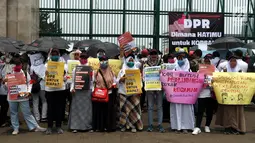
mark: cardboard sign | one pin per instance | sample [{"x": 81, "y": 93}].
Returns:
[
  {"x": 82, "y": 77},
  {"x": 55, "y": 77},
  {"x": 17, "y": 87},
  {"x": 133, "y": 82},
  {"x": 181, "y": 87},
  {"x": 151, "y": 78},
  {"x": 234, "y": 88}
]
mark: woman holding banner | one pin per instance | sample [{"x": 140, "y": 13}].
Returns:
[
  {"x": 182, "y": 115},
  {"x": 231, "y": 117},
  {"x": 80, "y": 117},
  {"x": 56, "y": 96},
  {"x": 129, "y": 104},
  {"x": 154, "y": 96},
  {"x": 205, "y": 101},
  {"x": 22, "y": 102},
  {"x": 104, "y": 111}
]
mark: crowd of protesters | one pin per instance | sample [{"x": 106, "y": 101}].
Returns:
[{"x": 122, "y": 111}]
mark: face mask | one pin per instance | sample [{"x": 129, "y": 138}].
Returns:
[
  {"x": 55, "y": 58},
  {"x": 7, "y": 60},
  {"x": 171, "y": 61},
  {"x": 103, "y": 65},
  {"x": 84, "y": 61},
  {"x": 180, "y": 63},
  {"x": 17, "y": 68},
  {"x": 130, "y": 64}
]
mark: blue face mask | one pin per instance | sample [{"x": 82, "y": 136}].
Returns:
[
  {"x": 55, "y": 58},
  {"x": 130, "y": 64},
  {"x": 180, "y": 63},
  {"x": 103, "y": 65}
]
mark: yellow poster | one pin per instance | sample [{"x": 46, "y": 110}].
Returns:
[
  {"x": 71, "y": 65},
  {"x": 234, "y": 88},
  {"x": 133, "y": 82},
  {"x": 114, "y": 64},
  {"x": 55, "y": 76}
]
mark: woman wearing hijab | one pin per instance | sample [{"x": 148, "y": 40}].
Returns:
[
  {"x": 23, "y": 104},
  {"x": 205, "y": 103},
  {"x": 129, "y": 104},
  {"x": 104, "y": 113},
  {"x": 182, "y": 115},
  {"x": 154, "y": 96},
  {"x": 80, "y": 117},
  {"x": 231, "y": 117},
  {"x": 37, "y": 72},
  {"x": 56, "y": 97}
]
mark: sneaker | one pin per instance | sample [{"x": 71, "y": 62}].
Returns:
[
  {"x": 207, "y": 129},
  {"x": 15, "y": 132},
  {"x": 60, "y": 131},
  {"x": 196, "y": 131},
  {"x": 161, "y": 129},
  {"x": 43, "y": 120},
  {"x": 123, "y": 129},
  {"x": 48, "y": 131},
  {"x": 74, "y": 131},
  {"x": 40, "y": 129},
  {"x": 150, "y": 128},
  {"x": 133, "y": 130}
]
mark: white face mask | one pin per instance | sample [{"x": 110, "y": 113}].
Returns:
[{"x": 7, "y": 60}]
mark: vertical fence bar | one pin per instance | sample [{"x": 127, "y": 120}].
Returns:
[
  {"x": 156, "y": 24},
  {"x": 124, "y": 16},
  {"x": 91, "y": 20}
]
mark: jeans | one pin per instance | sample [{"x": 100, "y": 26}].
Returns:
[
  {"x": 4, "y": 109},
  {"x": 155, "y": 97},
  {"x": 36, "y": 96},
  {"x": 25, "y": 109}
]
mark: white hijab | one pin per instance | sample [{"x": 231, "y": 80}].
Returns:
[
  {"x": 125, "y": 67},
  {"x": 185, "y": 67}
]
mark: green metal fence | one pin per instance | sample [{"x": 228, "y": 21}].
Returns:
[{"x": 147, "y": 20}]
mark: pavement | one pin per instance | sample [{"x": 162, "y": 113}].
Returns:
[{"x": 216, "y": 136}]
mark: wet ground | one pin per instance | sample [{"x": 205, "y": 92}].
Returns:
[{"x": 217, "y": 136}]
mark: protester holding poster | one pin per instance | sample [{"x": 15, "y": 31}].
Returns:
[
  {"x": 56, "y": 96},
  {"x": 20, "y": 100},
  {"x": 151, "y": 76},
  {"x": 37, "y": 72},
  {"x": 182, "y": 115},
  {"x": 130, "y": 110},
  {"x": 80, "y": 118},
  {"x": 205, "y": 100},
  {"x": 231, "y": 117},
  {"x": 104, "y": 113}
]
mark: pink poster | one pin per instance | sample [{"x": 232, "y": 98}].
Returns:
[{"x": 181, "y": 87}]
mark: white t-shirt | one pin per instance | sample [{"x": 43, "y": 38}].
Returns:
[{"x": 243, "y": 65}]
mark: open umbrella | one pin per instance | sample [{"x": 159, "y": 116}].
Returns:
[
  {"x": 10, "y": 45},
  {"x": 112, "y": 49},
  {"x": 93, "y": 49},
  {"x": 226, "y": 43},
  {"x": 85, "y": 44},
  {"x": 46, "y": 43}
]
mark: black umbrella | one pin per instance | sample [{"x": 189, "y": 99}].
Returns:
[
  {"x": 250, "y": 45},
  {"x": 93, "y": 49},
  {"x": 112, "y": 49},
  {"x": 46, "y": 43},
  {"x": 226, "y": 43},
  {"x": 10, "y": 45},
  {"x": 85, "y": 44}
]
